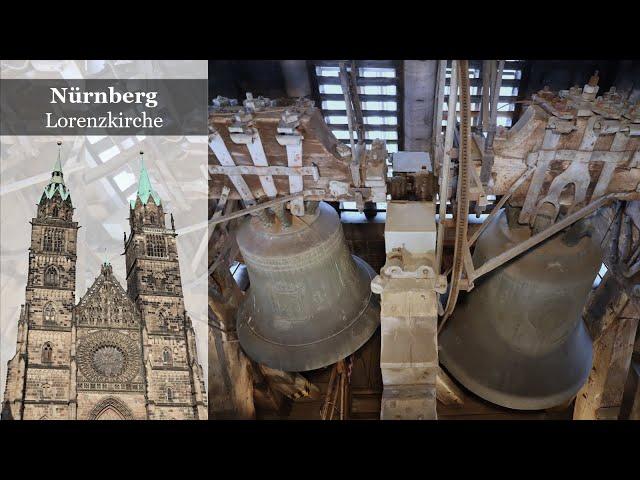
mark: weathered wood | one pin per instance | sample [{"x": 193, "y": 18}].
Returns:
[
  {"x": 267, "y": 399},
  {"x": 421, "y": 86},
  {"x": 221, "y": 153},
  {"x": 634, "y": 401},
  {"x": 291, "y": 384},
  {"x": 230, "y": 375},
  {"x": 447, "y": 392},
  {"x": 601, "y": 397}
]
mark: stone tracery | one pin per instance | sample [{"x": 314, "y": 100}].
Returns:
[{"x": 108, "y": 356}]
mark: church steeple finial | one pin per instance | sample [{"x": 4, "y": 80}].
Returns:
[
  {"x": 145, "y": 190},
  {"x": 57, "y": 175},
  {"x": 56, "y": 182}
]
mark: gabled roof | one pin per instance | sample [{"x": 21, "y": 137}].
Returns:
[{"x": 104, "y": 280}]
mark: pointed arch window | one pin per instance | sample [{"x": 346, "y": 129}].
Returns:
[
  {"x": 49, "y": 313},
  {"x": 152, "y": 218},
  {"x": 169, "y": 395},
  {"x": 51, "y": 277},
  {"x": 54, "y": 211},
  {"x": 47, "y": 353},
  {"x": 167, "y": 358},
  {"x": 156, "y": 246}
]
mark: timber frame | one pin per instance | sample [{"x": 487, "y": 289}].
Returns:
[{"x": 571, "y": 155}]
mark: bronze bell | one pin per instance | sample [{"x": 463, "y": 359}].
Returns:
[
  {"x": 309, "y": 303},
  {"x": 518, "y": 339}
]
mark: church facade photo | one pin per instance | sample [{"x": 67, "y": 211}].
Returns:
[{"x": 118, "y": 353}]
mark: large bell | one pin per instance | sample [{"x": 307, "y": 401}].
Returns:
[
  {"x": 518, "y": 339},
  {"x": 309, "y": 303}
]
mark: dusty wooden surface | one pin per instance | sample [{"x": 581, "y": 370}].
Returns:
[
  {"x": 612, "y": 321},
  {"x": 319, "y": 147}
]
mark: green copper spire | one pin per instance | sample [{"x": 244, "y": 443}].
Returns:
[
  {"x": 56, "y": 183},
  {"x": 145, "y": 190}
]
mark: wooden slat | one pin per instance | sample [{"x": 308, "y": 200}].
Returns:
[
  {"x": 368, "y": 127},
  {"x": 361, "y": 81},
  {"x": 478, "y": 98},
  {"x": 363, "y": 97},
  {"x": 294, "y": 159},
  {"x": 220, "y": 151},
  {"x": 359, "y": 63},
  {"x": 506, "y": 82},
  {"x": 365, "y": 113},
  {"x": 475, "y": 113}
]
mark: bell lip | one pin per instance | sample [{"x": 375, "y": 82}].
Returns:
[
  {"x": 511, "y": 400},
  {"x": 316, "y": 355}
]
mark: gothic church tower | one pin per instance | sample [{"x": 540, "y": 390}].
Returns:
[
  {"x": 39, "y": 375},
  {"x": 116, "y": 354},
  {"x": 175, "y": 388}
]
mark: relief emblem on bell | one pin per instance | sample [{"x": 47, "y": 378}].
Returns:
[{"x": 287, "y": 309}]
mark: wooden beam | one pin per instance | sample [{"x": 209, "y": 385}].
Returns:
[
  {"x": 447, "y": 392},
  {"x": 634, "y": 378},
  {"x": 601, "y": 397},
  {"x": 420, "y": 85},
  {"x": 230, "y": 376},
  {"x": 291, "y": 384}
]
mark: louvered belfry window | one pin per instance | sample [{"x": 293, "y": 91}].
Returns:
[
  {"x": 378, "y": 90},
  {"x": 511, "y": 76}
]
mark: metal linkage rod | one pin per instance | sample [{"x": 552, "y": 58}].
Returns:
[
  {"x": 496, "y": 209},
  {"x": 260, "y": 206},
  {"x": 546, "y": 233}
]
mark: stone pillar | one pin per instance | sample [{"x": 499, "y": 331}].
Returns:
[{"x": 408, "y": 285}]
